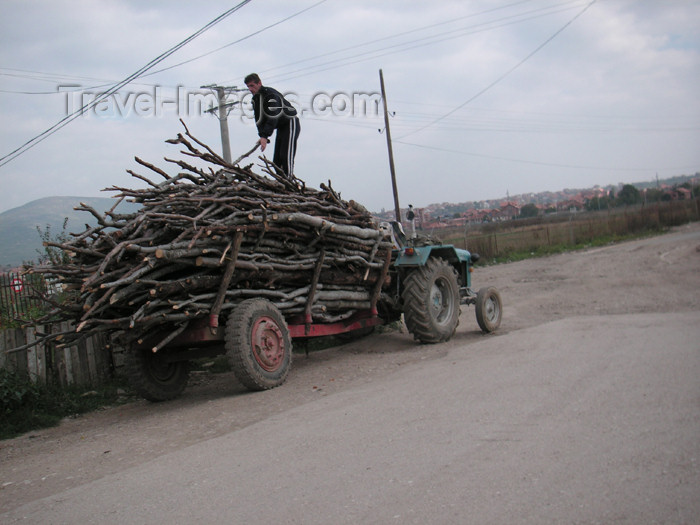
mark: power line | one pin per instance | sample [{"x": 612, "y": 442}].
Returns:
[
  {"x": 239, "y": 40},
  {"x": 538, "y": 163},
  {"x": 363, "y": 44},
  {"x": 43, "y": 76},
  {"x": 414, "y": 43},
  {"x": 69, "y": 118},
  {"x": 395, "y": 35},
  {"x": 110, "y": 82},
  {"x": 391, "y": 49},
  {"x": 504, "y": 75}
]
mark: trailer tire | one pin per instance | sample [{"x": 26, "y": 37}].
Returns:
[
  {"x": 489, "y": 309},
  {"x": 153, "y": 377},
  {"x": 431, "y": 301},
  {"x": 258, "y": 344}
]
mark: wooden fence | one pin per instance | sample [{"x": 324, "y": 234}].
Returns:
[
  {"x": 88, "y": 363},
  {"x": 501, "y": 239},
  {"x": 19, "y": 294}
]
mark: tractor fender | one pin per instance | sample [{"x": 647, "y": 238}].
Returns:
[{"x": 418, "y": 256}]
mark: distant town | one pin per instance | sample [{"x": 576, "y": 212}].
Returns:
[{"x": 449, "y": 215}]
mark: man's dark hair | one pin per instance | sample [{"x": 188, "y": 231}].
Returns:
[{"x": 253, "y": 77}]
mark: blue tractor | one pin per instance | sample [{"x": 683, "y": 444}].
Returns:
[{"x": 430, "y": 282}]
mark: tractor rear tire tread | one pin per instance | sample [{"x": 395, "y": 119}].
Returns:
[{"x": 416, "y": 298}]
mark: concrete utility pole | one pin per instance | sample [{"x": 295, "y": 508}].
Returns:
[
  {"x": 223, "y": 108},
  {"x": 397, "y": 208}
]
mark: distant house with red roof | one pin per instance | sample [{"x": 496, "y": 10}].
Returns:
[{"x": 570, "y": 205}]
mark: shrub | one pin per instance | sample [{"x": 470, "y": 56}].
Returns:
[
  {"x": 21, "y": 405},
  {"x": 26, "y": 405}
]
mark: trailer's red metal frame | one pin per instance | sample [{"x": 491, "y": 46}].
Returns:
[
  {"x": 205, "y": 331},
  {"x": 359, "y": 320},
  {"x": 199, "y": 332}
]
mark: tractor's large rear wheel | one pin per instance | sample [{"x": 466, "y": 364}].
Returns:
[
  {"x": 258, "y": 344},
  {"x": 431, "y": 301},
  {"x": 153, "y": 376}
]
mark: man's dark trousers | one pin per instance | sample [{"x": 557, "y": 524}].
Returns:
[{"x": 286, "y": 145}]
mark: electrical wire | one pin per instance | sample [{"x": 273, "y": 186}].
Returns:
[
  {"x": 393, "y": 36},
  {"x": 151, "y": 73},
  {"x": 387, "y": 50},
  {"x": 547, "y": 124},
  {"x": 43, "y": 76},
  {"x": 538, "y": 163},
  {"x": 415, "y": 43},
  {"x": 504, "y": 75},
  {"x": 69, "y": 118},
  {"x": 239, "y": 40}
]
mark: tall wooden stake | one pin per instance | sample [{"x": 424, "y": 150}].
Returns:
[{"x": 397, "y": 208}]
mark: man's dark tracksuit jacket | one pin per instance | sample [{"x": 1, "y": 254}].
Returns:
[{"x": 274, "y": 112}]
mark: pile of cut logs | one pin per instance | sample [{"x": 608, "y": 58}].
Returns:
[{"x": 212, "y": 235}]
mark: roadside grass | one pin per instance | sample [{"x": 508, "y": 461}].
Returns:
[
  {"x": 547, "y": 250},
  {"x": 26, "y": 405}
]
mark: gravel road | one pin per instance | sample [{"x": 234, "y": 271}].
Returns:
[{"x": 583, "y": 408}]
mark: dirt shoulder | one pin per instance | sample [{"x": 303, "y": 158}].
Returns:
[{"x": 657, "y": 274}]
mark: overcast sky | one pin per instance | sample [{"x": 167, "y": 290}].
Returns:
[{"x": 488, "y": 97}]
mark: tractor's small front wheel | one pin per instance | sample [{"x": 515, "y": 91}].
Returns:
[
  {"x": 489, "y": 309},
  {"x": 431, "y": 301},
  {"x": 258, "y": 344}
]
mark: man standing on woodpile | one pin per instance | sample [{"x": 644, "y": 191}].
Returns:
[
  {"x": 273, "y": 112},
  {"x": 412, "y": 220}
]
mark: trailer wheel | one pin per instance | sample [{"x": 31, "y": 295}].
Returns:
[
  {"x": 153, "y": 377},
  {"x": 431, "y": 301},
  {"x": 489, "y": 309},
  {"x": 258, "y": 344}
]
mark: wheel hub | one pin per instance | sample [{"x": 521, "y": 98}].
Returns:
[
  {"x": 268, "y": 344},
  {"x": 440, "y": 306},
  {"x": 491, "y": 309},
  {"x": 160, "y": 369}
]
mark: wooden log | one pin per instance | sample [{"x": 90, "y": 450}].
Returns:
[
  {"x": 225, "y": 281},
  {"x": 312, "y": 290},
  {"x": 380, "y": 282},
  {"x": 152, "y": 168},
  {"x": 168, "y": 263},
  {"x": 172, "y": 335}
]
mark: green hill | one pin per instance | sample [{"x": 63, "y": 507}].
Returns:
[{"x": 19, "y": 239}]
